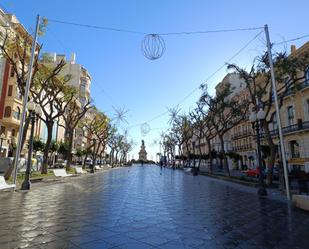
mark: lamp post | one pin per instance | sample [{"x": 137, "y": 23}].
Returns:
[
  {"x": 281, "y": 141},
  {"x": 2, "y": 137},
  {"x": 34, "y": 113},
  {"x": 256, "y": 120},
  {"x": 93, "y": 156},
  {"x": 26, "y": 94}
]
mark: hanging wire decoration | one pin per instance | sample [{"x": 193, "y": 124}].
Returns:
[
  {"x": 145, "y": 129},
  {"x": 153, "y": 46},
  {"x": 173, "y": 113},
  {"x": 120, "y": 115}
]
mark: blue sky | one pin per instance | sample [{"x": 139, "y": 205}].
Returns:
[{"x": 122, "y": 77}]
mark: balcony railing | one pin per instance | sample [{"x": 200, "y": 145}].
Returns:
[
  {"x": 291, "y": 128},
  {"x": 241, "y": 134},
  {"x": 301, "y": 86},
  {"x": 243, "y": 147}
]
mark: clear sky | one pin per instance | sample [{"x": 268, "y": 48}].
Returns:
[{"x": 122, "y": 77}]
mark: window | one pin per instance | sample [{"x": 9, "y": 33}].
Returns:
[
  {"x": 10, "y": 90},
  {"x": 7, "y": 112},
  {"x": 18, "y": 94},
  {"x": 12, "y": 73},
  {"x": 290, "y": 115},
  {"x": 2, "y": 130},
  {"x": 17, "y": 113},
  {"x": 13, "y": 132},
  {"x": 275, "y": 123},
  {"x": 294, "y": 146}
]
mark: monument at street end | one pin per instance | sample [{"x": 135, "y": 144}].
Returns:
[{"x": 142, "y": 155}]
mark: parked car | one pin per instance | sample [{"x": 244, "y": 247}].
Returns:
[
  {"x": 89, "y": 162},
  {"x": 252, "y": 172}
]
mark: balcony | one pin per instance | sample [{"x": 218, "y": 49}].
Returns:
[
  {"x": 10, "y": 121},
  {"x": 242, "y": 134},
  {"x": 301, "y": 86},
  {"x": 291, "y": 128},
  {"x": 243, "y": 147}
]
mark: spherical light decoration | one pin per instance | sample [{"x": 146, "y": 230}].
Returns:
[
  {"x": 30, "y": 105},
  {"x": 38, "y": 110},
  {"x": 261, "y": 114},
  {"x": 153, "y": 46},
  {"x": 145, "y": 129}
]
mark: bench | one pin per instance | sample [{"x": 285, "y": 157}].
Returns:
[
  {"x": 4, "y": 185},
  {"x": 187, "y": 170},
  {"x": 301, "y": 201},
  {"x": 61, "y": 173},
  {"x": 79, "y": 170}
]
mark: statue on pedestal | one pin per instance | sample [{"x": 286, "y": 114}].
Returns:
[{"x": 142, "y": 155}]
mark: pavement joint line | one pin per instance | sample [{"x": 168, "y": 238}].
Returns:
[{"x": 129, "y": 201}]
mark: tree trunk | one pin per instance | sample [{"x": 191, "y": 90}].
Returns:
[
  {"x": 112, "y": 158},
  {"x": 272, "y": 156},
  {"x": 47, "y": 147},
  {"x": 188, "y": 155},
  {"x": 200, "y": 154},
  {"x": 94, "y": 159},
  {"x": 225, "y": 164},
  {"x": 101, "y": 158},
  {"x": 96, "y": 152},
  {"x": 70, "y": 147},
  {"x": 117, "y": 156},
  {"x": 179, "y": 151},
  {"x": 210, "y": 156},
  {"x": 9, "y": 171},
  {"x": 26, "y": 126},
  {"x": 85, "y": 159}
]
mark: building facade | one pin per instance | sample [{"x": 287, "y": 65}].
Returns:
[
  {"x": 294, "y": 113},
  {"x": 81, "y": 80},
  {"x": 10, "y": 96}
]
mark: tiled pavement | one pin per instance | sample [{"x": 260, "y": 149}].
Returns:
[{"x": 144, "y": 207}]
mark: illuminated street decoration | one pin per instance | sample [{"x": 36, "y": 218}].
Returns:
[
  {"x": 145, "y": 129},
  {"x": 153, "y": 46}
]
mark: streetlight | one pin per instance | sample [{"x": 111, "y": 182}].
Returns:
[
  {"x": 34, "y": 113},
  {"x": 93, "y": 157},
  {"x": 256, "y": 120},
  {"x": 2, "y": 137},
  {"x": 26, "y": 94}
]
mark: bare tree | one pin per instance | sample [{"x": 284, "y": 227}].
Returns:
[
  {"x": 290, "y": 74},
  {"x": 53, "y": 94},
  {"x": 94, "y": 127},
  {"x": 224, "y": 112},
  {"x": 72, "y": 116}
]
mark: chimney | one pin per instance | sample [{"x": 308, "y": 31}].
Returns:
[
  {"x": 293, "y": 49},
  {"x": 72, "y": 58}
]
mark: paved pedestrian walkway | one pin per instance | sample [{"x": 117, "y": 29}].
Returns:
[{"x": 145, "y": 207}]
